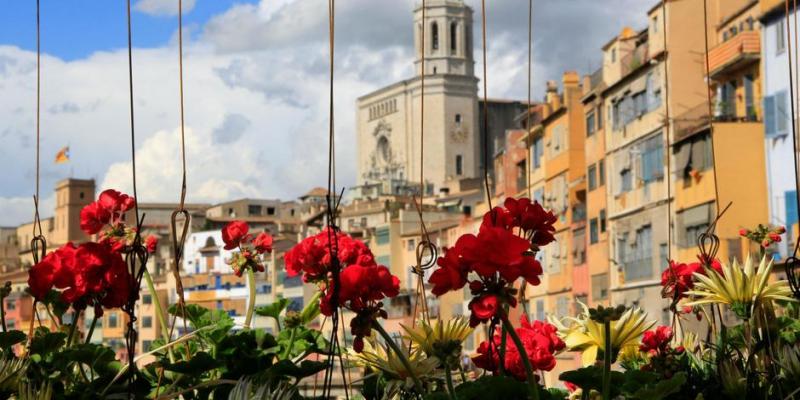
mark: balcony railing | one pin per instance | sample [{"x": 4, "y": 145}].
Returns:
[{"x": 738, "y": 51}]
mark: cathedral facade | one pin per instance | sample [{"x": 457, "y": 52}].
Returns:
[{"x": 388, "y": 119}]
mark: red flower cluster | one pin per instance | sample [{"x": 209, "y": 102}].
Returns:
[
  {"x": 497, "y": 256},
  {"x": 235, "y": 235},
  {"x": 540, "y": 341},
  {"x": 312, "y": 256},
  {"x": 532, "y": 220},
  {"x": 363, "y": 283},
  {"x": 109, "y": 212},
  {"x": 90, "y": 274},
  {"x": 678, "y": 278},
  {"x": 764, "y": 235},
  {"x": 657, "y": 340}
]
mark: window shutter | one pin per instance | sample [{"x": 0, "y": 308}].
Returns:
[
  {"x": 781, "y": 114},
  {"x": 769, "y": 115}
]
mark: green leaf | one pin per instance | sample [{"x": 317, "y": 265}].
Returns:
[
  {"x": 10, "y": 338},
  {"x": 492, "y": 388},
  {"x": 659, "y": 388},
  {"x": 591, "y": 378},
  {"x": 194, "y": 312},
  {"x": 201, "y": 362},
  {"x": 287, "y": 368},
  {"x": 273, "y": 310},
  {"x": 45, "y": 342}
]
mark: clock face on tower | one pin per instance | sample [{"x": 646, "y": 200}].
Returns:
[{"x": 458, "y": 133}]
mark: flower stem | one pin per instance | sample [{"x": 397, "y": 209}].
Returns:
[
  {"x": 449, "y": 379},
  {"x": 607, "y": 361},
  {"x": 288, "y": 351},
  {"x": 251, "y": 303},
  {"x": 160, "y": 314},
  {"x": 534, "y": 387},
  {"x": 72, "y": 327},
  {"x": 91, "y": 329},
  {"x": 391, "y": 343}
]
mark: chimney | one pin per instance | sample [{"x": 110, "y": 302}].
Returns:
[
  {"x": 552, "y": 97},
  {"x": 572, "y": 88}
]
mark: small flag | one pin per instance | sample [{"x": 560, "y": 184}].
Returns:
[{"x": 63, "y": 155}]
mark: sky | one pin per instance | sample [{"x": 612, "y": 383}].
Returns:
[{"x": 255, "y": 86}]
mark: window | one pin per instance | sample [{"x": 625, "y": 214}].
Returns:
[
  {"x": 579, "y": 246},
  {"x": 594, "y": 234},
  {"x": 147, "y": 299},
  {"x": 637, "y": 260},
  {"x": 599, "y": 117},
  {"x": 270, "y": 210},
  {"x": 537, "y": 151},
  {"x": 694, "y": 154},
  {"x": 540, "y": 313},
  {"x": 776, "y": 118},
  {"x": 590, "y": 124},
  {"x": 639, "y": 105},
  {"x": 295, "y": 304},
  {"x": 653, "y": 91},
  {"x": 435, "y": 36},
  {"x": 780, "y": 37},
  {"x": 601, "y": 173},
  {"x": 749, "y": 98},
  {"x": 11, "y": 324},
  {"x": 254, "y": 209},
  {"x": 626, "y": 180},
  {"x": 602, "y": 218},
  {"x": 591, "y": 176},
  {"x": 219, "y": 305},
  {"x": 691, "y": 223},
  {"x": 599, "y": 287},
  {"x": 458, "y": 119},
  {"x": 562, "y": 306},
  {"x": 459, "y": 165},
  {"x": 538, "y": 195},
  {"x": 615, "y": 114},
  {"x": 382, "y": 235},
  {"x": 146, "y": 345},
  {"x": 410, "y": 245},
  {"x": 653, "y": 159},
  {"x": 663, "y": 255},
  {"x": 613, "y": 55},
  {"x": 655, "y": 24},
  {"x": 522, "y": 175},
  {"x": 112, "y": 320},
  {"x": 147, "y": 322},
  {"x": 11, "y": 305},
  {"x": 453, "y": 27}
]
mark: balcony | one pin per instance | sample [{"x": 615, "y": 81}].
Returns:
[
  {"x": 735, "y": 53},
  {"x": 635, "y": 59}
]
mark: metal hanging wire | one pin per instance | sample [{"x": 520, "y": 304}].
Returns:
[
  {"x": 136, "y": 254},
  {"x": 425, "y": 241},
  {"x": 792, "y": 264},
  {"x": 524, "y": 284},
  {"x": 179, "y": 240},
  {"x": 332, "y": 202},
  {"x": 38, "y": 242}
]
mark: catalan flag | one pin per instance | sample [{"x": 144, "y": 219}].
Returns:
[{"x": 63, "y": 155}]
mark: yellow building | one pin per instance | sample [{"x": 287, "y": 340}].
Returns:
[{"x": 737, "y": 124}]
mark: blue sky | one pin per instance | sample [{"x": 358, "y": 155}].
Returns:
[{"x": 74, "y": 29}]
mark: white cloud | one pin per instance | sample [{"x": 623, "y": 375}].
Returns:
[
  {"x": 163, "y": 7},
  {"x": 268, "y": 64},
  {"x": 20, "y": 210}
]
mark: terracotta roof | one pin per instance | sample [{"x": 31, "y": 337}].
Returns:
[{"x": 315, "y": 192}]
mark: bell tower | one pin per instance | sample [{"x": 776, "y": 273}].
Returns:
[{"x": 448, "y": 38}]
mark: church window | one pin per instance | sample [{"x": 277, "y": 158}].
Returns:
[
  {"x": 458, "y": 119},
  {"x": 453, "y": 27},
  {"x": 434, "y": 70},
  {"x": 434, "y": 36},
  {"x": 459, "y": 165}
]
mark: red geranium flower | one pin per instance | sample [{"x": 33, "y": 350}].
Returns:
[
  {"x": 540, "y": 343},
  {"x": 263, "y": 243},
  {"x": 311, "y": 256},
  {"x": 679, "y": 277},
  {"x": 656, "y": 341},
  {"x": 485, "y": 307},
  {"x": 94, "y": 217},
  {"x": 116, "y": 202},
  {"x": 233, "y": 233},
  {"x": 151, "y": 243}
]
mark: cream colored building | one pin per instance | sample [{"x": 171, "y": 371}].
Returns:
[{"x": 388, "y": 119}]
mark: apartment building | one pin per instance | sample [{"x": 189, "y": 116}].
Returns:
[
  {"x": 777, "y": 116},
  {"x": 702, "y": 143}
]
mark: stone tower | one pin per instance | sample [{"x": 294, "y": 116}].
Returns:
[
  {"x": 71, "y": 196},
  {"x": 388, "y": 119},
  {"x": 448, "y": 41}
]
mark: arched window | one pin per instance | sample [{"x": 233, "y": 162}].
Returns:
[
  {"x": 453, "y": 27},
  {"x": 459, "y": 165},
  {"x": 435, "y": 36}
]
